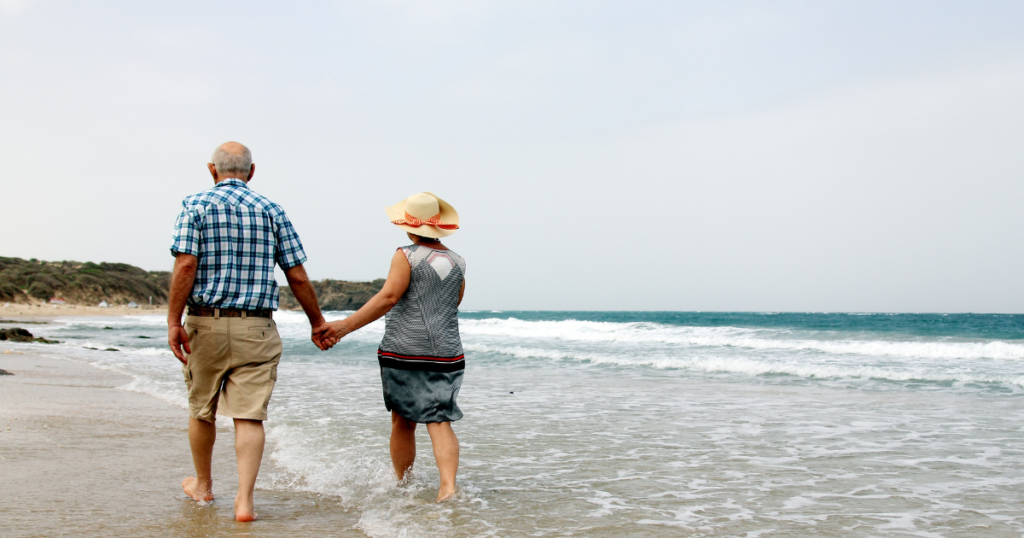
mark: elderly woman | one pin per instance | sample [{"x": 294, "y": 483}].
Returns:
[{"x": 421, "y": 360}]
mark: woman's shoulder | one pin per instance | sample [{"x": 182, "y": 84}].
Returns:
[
  {"x": 458, "y": 259},
  {"x": 419, "y": 253},
  {"x": 415, "y": 253},
  {"x": 454, "y": 257}
]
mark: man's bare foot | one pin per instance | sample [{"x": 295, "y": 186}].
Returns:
[
  {"x": 192, "y": 489},
  {"x": 245, "y": 511},
  {"x": 445, "y": 493}
]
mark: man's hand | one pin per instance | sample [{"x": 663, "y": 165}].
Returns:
[
  {"x": 181, "y": 286},
  {"x": 178, "y": 338},
  {"x": 317, "y": 340}
]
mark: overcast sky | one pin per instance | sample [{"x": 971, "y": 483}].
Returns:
[{"x": 809, "y": 156}]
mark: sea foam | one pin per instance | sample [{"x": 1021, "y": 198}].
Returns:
[
  {"x": 758, "y": 339},
  {"x": 749, "y": 366}
]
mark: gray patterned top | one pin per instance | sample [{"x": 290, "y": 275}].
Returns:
[{"x": 422, "y": 330}]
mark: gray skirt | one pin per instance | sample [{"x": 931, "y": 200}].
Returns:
[{"x": 422, "y": 396}]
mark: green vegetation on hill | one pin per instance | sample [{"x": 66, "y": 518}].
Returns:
[
  {"x": 27, "y": 281},
  {"x": 335, "y": 294}
]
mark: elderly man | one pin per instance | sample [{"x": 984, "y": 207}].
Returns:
[{"x": 226, "y": 242}]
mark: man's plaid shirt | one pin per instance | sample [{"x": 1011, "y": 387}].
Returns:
[{"x": 237, "y": 235}]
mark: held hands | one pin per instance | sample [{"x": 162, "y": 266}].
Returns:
[
  {"x": 178, "y": 338},
  {"x": 317, "y": 339},
  {"x": 326, "y": 335}
]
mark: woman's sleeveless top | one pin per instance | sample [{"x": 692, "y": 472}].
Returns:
[{"x": 422, "y": 330}]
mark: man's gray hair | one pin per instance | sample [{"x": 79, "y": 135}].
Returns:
[{"x": 230, "y": 163}]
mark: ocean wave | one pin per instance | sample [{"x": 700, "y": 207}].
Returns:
[
  {"x": 150, "y": 351},
  {"x": 359, "y": 475},
  {"x": 117, "y": 322},
  {"x": 757, "y": 339},
  {"x": 755, "y": 367},
  {"x": 171, "y": 393}
]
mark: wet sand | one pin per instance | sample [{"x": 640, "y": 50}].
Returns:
[{"x": 79, "y": 457}]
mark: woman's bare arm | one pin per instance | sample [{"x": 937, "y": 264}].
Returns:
[{"x": 377, "y": 306}]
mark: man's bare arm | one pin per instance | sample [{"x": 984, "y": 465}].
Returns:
[
  {"x": 182, "y": 278},
  {"x": 303, "y": 291}
]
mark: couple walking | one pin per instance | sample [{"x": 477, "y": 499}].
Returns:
[{"x": 226, "y": 242}]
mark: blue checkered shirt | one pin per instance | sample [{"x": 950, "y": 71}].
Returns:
[{"x": 238, "y": 236}]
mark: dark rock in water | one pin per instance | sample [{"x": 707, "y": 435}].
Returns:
[
  {"x": 16, "y": 334},
  {"x": 111, "y": 349},
  {"x": 108, "y": 328},
  {"x": 146, "y": 337},
  {"x": 24, "y": 322},
  {"x": 5, "y": 372}
]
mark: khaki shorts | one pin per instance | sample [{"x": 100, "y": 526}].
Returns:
[{"x": 232, "y": 368}]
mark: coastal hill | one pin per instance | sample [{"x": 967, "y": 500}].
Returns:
[
  {"x": 335, "y": 294},
  {"x": 33, "y": 282}
]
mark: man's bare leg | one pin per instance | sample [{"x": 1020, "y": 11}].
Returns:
[
  {"x": 403, "y": 444},
  {"x": 249, "y": 441},
  {"x": 201, "y": 436},
  {"x": 446, "y": 452}
]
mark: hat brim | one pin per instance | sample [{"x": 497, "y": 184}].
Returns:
[
  {"x": 448, "y": 215},
  {"x": 427, "y": 230}
]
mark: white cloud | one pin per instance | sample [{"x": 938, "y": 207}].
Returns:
[
  {"x": 178, "y": 38},
  {"x": 16, "y": 6}
]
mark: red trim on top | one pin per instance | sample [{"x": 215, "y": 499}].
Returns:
[{"x": 397, "y": 356}]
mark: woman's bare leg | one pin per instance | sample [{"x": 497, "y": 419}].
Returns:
[
  {"x": 403, "y": 444},
  {"x": 446, "y": 452}
]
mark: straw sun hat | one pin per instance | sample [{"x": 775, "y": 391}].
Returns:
[{"x": 424, "y": 214}]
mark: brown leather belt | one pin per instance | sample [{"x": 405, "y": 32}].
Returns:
[{"x": 209, "y": 312}]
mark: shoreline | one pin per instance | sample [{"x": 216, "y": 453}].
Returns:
[
  {"x": 88, "y": 458},
  {"x": 20, "y": 310},
  {"x": 747, "y": 417}
]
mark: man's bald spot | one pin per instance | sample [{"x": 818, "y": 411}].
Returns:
[
  {"x": 233, "y": 148},
  {"x": 232, "y": 159}
]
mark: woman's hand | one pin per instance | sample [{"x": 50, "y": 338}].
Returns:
[{"x": 330, "y": 333}]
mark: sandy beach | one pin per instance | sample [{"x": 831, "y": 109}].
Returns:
[
  {"x": 17, "y": 310},
  {"x": 79, "y": 457}
]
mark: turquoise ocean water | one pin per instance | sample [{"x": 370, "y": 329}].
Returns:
[{"x": 653, "y": 423}]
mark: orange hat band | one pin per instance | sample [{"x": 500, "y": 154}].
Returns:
[{"x": 410, "y": 220}]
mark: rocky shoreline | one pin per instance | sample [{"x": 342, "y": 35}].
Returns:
[
  {"x": 68, "y": 282},
  {"x": 335, "y": 294},
  {"x": 17, "y": 334},
  {"x": 39, "y": 288}
]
